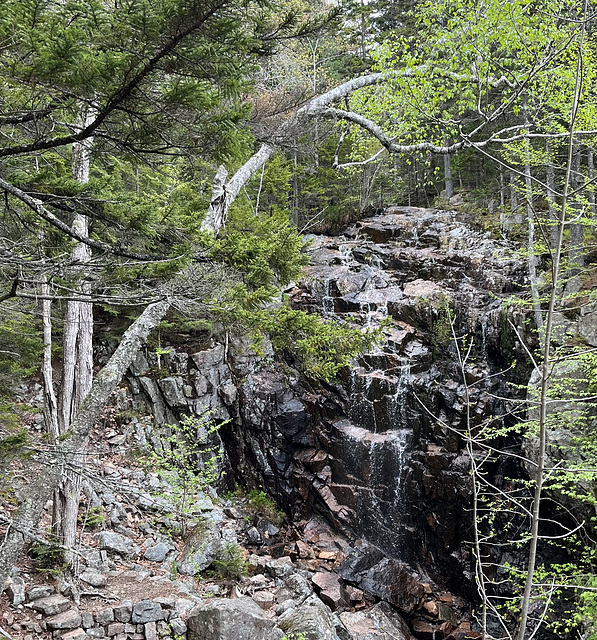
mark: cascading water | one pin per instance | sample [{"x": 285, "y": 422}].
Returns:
[{"x": 395, "y": 472}]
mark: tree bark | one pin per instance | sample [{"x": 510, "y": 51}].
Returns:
[
  {"x": 50, "y": 402},
  {"x": 449, "y": 182},
  {"x": 546, "y": 366},
  {"x": 550, "y": 180},
  {"x": 29, "y": 512},
  {"x": 591, "y": 176},
  {"x": 77, "y": 370}
]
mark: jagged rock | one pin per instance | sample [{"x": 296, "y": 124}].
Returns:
[
  {"x": 51, "y": 605},
  {"x": 311, "y": 618},
  {"x": 587, "y": 323},
  {"x": 254, "y": 536},
  {"x": 123, "y": 611},
  {"x": 429, "y": 631},
  {"x": 94, "y": 578},
  {"x": 117, "y": 543},
  {"x": 237, "y": 619},
  {"x": 228, "y": 535},
  {"x": 96, "y": 559},
  {"x": 388, "y": 579},
  {"x": 172, "y": 390},
  {"x": 201, "y": 548},
  {"x": 378, "y": 623},
  {"x": 114, "y": 628},
  {"x": 43, "y": 591},
  {"x": 280, "y": 567},
  {"x": 178, "y": 626},
  {"x": 297, "y": 587},
  {"x": 265, "y": 599},
  {"x": 147, "y": 611},
  {"x": 104, "y": 617},
  {"x": 150, "y": 631},
  {"x": 16, "y": 590},
  {"x": 161, "y": 414},
  {"x": 70, "y": 619},
  {"x": 158, "y": 552},
  {"x": 331, "y": 591},
  {"x": 87, "y": 619},
  {"x": 75, "y": 634}
]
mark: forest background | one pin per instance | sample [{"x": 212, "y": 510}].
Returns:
[{"x": 161, "y": 161}]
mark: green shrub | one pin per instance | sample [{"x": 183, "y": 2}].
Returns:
[
  {"x": 94, "y": 517},
  {"x": 230, "y": 562},
  {"x": 48, "y": 557},
  {"x": 260, "y": 502}
]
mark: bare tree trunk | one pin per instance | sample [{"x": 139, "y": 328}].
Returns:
[
  {"x": 546, "y": 367},
  {"x": 502, "y": 199},
  {"x": 591, "y": 176},
  {"x": 295, "y": 212},
  {"x": 551, "y": 196},
  {"x": 77, "y": 376},
  {"x": 449, "y": 182},
  {"x": 27, "y": 516},
  {"x": 513, "y": 196},
  {"x": 224, "y": 192},
  {"x": 50, "y": 402}
]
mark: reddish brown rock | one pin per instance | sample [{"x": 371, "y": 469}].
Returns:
[
  {"x": 431, "y": 608},
  {"x": 426, "y": 631},
  {"x": 331, "y": 590},
  {"x": 354, "y": 594}
]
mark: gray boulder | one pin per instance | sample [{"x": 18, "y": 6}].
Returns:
[
  {"x": 147, "y": 611},
  {"x": 379, "y": 623},
  {"x": 117, "y": 543},
  {"x": 158, "y": 552},
  {"x": 312, "y": 618},
  {"x": 201, "y": 548},
  {"x": 237, "y": 619}
]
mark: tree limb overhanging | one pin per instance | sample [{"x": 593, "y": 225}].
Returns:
[
  {"x": 131, "y": 82},
  {"x": 225, "y": 192},
  {"x": 37, "y": 206}
]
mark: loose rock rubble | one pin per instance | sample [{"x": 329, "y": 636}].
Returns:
[{"x": 137, "y": 578}]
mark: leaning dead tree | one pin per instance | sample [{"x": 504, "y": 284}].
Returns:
[
  {"x": 24, "y": 521},
  {"x": 225, "y": 191}
]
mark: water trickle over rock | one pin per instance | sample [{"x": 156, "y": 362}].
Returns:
[{"x": 380, "y": 453}]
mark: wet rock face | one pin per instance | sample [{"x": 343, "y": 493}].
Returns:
[{"x": 378, "y": 453}]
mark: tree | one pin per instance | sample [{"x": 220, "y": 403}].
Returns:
[{"x": 110, "y": 116}]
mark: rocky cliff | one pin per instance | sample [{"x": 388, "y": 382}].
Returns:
[{"x": 380, "y": 453}]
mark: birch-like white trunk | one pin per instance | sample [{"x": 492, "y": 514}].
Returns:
[
  {"x": 35, "y": 495},
  {"x": 591, "y": 176},
  {"x": 77, "y": 374},
  {"x": 225, "y": 192},
  {"x": 50, "y": 401},
  {"x": 449, "y": 182}
]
